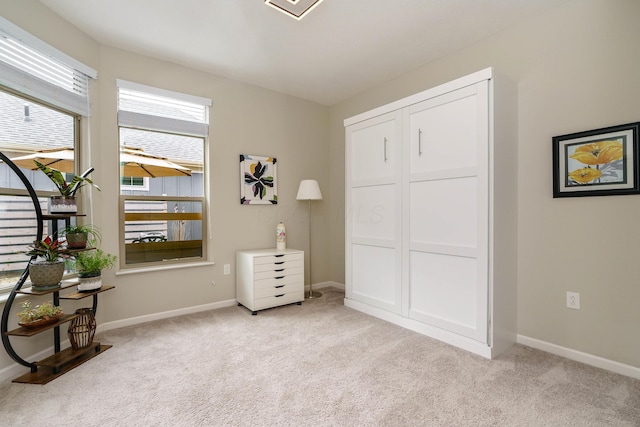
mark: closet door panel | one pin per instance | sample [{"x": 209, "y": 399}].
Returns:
[
  {"x": 443, "y": 132},
  {"x": 444, "y": 212},
  {"x": 374, "y": 149},
  {"x": 376, "y": 277},
  {"x": 444, "y": 292},
  {"x": 373, "y": 212},
  {"x": 448, "y": 211},
  {"x": 373, "y": 217}
]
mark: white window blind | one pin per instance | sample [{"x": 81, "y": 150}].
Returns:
[
  {"x": 150, "y": 108},
  {"x": 31, "y": 66}
]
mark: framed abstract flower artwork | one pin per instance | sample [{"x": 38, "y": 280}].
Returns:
[
  {"x": 598, "y": 162},
  {"x": 258, "y": 180}
]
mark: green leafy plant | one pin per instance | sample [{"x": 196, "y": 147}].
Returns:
[
  {"x": 45, "y": 310},
  {"x": 49, "y": 249},
  {"x": 92, "y": 262},
  {"x": 66, "y": 189}
]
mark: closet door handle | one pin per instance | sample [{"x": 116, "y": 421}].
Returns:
[
  {"x": 385, "y": 150},
  {"x": 419, "y": 142}
]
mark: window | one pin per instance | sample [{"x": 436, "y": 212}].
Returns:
[
  {"x": 134, "y": 183},
  {"x": 43, "y": 94},
  {"x": 162, "y": 168},
  {"x": 23, "y": 132}
]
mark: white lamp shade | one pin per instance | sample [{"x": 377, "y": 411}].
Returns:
[{"x": 309, "y": 190}]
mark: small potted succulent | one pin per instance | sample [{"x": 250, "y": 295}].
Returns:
[
  {"x": 89, "y": 266},
  {"x": 40, "y": 315},
  {"x": 66, "y": 202},
  {"x": 47, "y": 269}
]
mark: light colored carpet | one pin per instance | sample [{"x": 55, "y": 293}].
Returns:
[{"x": 319, "y": 364}]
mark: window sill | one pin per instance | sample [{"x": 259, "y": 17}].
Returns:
[
  {"x": 150, "y": 269},
  {"x": 4, "y": 297}
]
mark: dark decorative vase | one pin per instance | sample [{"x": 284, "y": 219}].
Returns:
[
  {"x": 46, "y": 275},
  {"x": 82, "y": 328}
]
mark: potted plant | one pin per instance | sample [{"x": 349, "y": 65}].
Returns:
[
  {"x": 66, "y": 202},
  {"x": 77, "y": 236},
  {"x": 40, "y": 315},
  {"x": 47, "y": 269},
  {"x": 89, "y": 265}
]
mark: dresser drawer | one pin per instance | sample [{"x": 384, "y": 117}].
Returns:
[
  {"x": 278, "y": 265},
  {"x": 278, "y": 281},
  {"x": 281, "y": 272},
  {"x": 279, "y": 299},
  {"x": 268, "y": 259},
  {"x": 278, "y": 290}
]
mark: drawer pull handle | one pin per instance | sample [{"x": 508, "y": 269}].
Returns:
[
  {"x": 282, "y": 269},
  {"x": 278, "y": 263},
  {"x": 278, "y": 256},
  {"x": 279, "y": 277},
  {"x": 278, "y": 296},
  {"x": 279, "y": 286}
]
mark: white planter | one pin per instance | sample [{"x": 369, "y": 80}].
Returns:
[
  {"x": 62, "y": 204},
  {"x": 90, "y": 283}
]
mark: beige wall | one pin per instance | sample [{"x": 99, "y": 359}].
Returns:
[
  {"x": 244, "y": 119},
  {"x": 577, "y": 69}
]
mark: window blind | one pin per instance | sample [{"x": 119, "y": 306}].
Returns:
[
  {"x": 31, "y": 66},
  {"x": 150, "y": 108}
]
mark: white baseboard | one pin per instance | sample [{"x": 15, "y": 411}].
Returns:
[
  {"x": 107, "y": 326},
  {"x": 578, "y": 356},
  {"x": 322, "y": 285}
]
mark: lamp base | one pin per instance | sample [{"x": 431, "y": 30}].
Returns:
[{"x": 312, "y": 294}]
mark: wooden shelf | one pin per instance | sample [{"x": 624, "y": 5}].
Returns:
[
  {"x": 30, "y": 332},
  {"x": 60, "y": 216},
  {"x": 60, "y": 363},
  {"x": 63, "y": 285},
  {"x": 83, "y": 294}
]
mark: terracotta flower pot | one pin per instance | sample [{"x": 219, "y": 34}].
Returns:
[{"x": 76, "y": 240}]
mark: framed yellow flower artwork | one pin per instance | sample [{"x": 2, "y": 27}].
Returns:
[{"x": 597, "y": 162}]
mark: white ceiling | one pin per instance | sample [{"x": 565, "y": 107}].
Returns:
[{"x": 338, "y": 50}]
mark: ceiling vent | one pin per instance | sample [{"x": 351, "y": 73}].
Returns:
[{"x": 295, "y": 8}]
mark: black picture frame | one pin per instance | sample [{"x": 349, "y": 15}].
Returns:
[{"x": 599, "y": 162}]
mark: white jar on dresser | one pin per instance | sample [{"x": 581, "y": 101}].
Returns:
[
  {"x": 267, "y": 278},
  {"x": 431, "y": 188}
]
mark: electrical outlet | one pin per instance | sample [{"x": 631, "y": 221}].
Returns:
[
  {"x": 573, "y": 300},
  {"x": 227, "y": 269}
]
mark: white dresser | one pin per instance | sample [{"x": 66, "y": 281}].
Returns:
[{"x": 268, "y": 278}]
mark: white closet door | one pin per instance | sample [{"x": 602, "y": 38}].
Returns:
[
  {"x": 448, "y": 212},
  {"x": 373, "y": 234}
]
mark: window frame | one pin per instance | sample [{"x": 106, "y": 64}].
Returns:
[
  {"x": 138, "y": 121},
  {"x": 7, "y": 191}
]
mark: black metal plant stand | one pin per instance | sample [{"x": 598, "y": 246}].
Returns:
[{"x": 61, "y": 361}]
